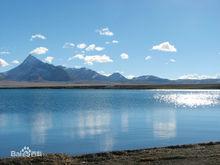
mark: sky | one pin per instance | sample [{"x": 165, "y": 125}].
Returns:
[{"x": 171, "y": 39}]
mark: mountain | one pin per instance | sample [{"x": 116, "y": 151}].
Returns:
[
  {"x": 34, "y": 70},
  {"x": 84, "y": 75},
  {"x": 197, "y": 81},
  {"x": 150, "y": 80},
  {"x": 117, "y": 77}
]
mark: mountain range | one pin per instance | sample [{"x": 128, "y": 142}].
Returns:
[{"x": 34, "y": 70}]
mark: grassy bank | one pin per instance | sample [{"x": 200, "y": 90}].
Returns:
[{"x": 198, "y": 154}]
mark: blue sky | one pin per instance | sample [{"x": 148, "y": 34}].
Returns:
[{"x": 171, "y": 38}]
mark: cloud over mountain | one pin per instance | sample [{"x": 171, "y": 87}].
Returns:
[
  {"x": 93, "y": 58},
  {"x": 3, "y": 63},
  {"x": 15, "y": 62},
  {"x": 49, "y": 59},
  {"x": 39, "y": 50},
  {"x": 198, "y": 77}
]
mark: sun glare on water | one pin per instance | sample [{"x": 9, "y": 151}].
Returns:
[{"x": 191, "y": 99}]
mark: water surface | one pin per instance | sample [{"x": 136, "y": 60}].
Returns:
[{"x": 86, "y": 121}]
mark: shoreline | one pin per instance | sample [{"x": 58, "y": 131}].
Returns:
[
  {"x": 62, "y": 85},
  {"x": 200, "y": 153}
]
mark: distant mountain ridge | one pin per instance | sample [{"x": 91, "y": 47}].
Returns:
[{"x": 34, "y": 70}]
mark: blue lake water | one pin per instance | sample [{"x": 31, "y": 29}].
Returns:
[{"x": 78, "y": 121}]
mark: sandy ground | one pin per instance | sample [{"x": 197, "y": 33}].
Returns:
[{"x": 196, "y": 154}]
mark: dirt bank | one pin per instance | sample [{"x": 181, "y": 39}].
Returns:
[{"x": 198, "y": 154}]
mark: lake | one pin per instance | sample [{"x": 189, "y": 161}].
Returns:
[{"x": 79, "y": 121}]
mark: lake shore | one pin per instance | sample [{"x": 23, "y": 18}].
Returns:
[
  {"x": 202, "y": 153},
  {"x": 65, "y": 85}
]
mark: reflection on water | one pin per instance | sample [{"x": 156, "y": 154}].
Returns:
[
  {"x": 164, "y": 124},
  {"x": 93, "y": 123},
  {"x": 188, "y": 98},
  {"x": 41, "y": 123},
  {"x": 108, "y": 142},
  {"x": 3, "y": 120},
  {"x": 124, "y": 121}
]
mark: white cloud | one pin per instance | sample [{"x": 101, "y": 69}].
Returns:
[
  {"x": 68, "y": 45},
  {"x": 79, "y": 56},
  {"x": 104, "y": 73},
  {"x": 172, "y": 60},
  {"x": 115, "y": 41},
  {"x": 118, "y": 71},
  {"x": 112, "y": 42},
  {"x": 49, "y": 59},
  {"x": 124, "y": 56},
  {"x": 165, "y": 47},
  {"x": 148, "y": 58},
  {"x": 15, "y": 62},
  {"x": 198, "y": 77},
  {"x": 77, "y": 67},
  {"x": 38, "y": 36},
  {"x": 95, "y": 58},
  {"x": 99, "y": 48},
  {"x": 105, "y": 31},
  {"x": 93, "y": 47},
  {"x": 39, "y": 50},
  {"x": 81, "y": 46},
  {"x": 130, "y": 76},
  {"x": 3, "y": 63},
  {"x": 4, "y": 52},
  {"x": 64, "y": 65}
]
